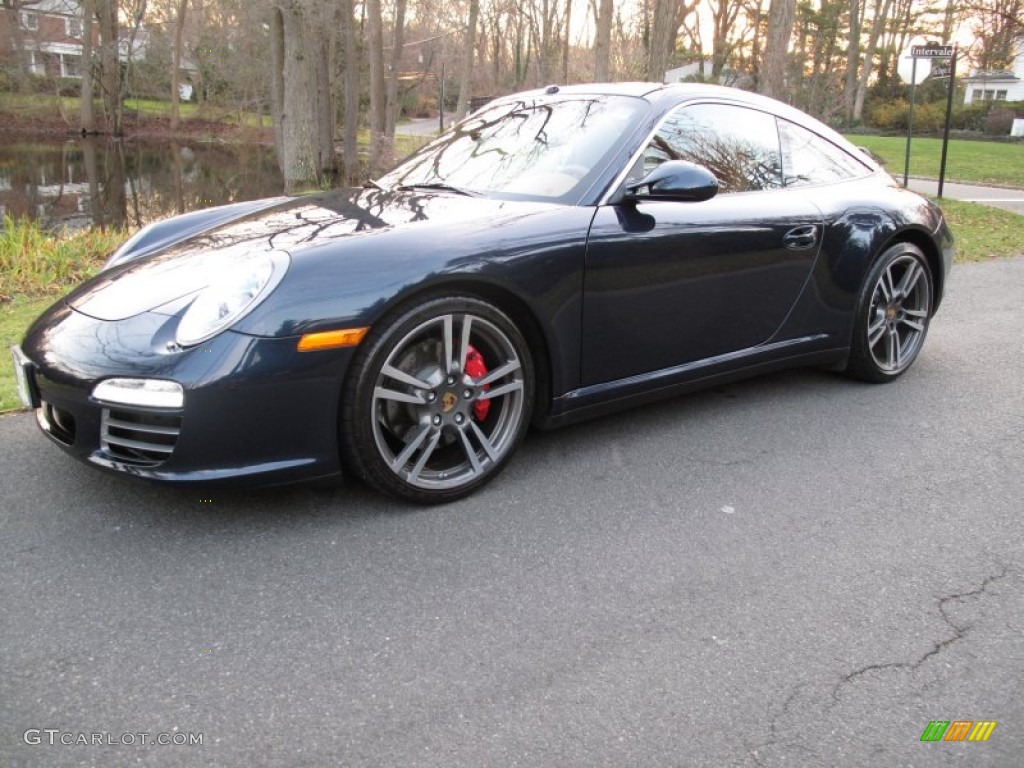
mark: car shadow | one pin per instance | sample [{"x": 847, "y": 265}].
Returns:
[{"x": 541, "y": 459}]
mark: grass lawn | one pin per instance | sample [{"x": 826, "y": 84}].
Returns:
[
  {"x": 15, "y": 317},
  {"x": 983, "y": 232},
  {"x": 978, "y": 162},
  {"x": 48, "y": 106}
]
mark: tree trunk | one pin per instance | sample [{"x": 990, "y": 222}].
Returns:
[
  {"x": 179, "y": 33},
  {"x": 379, "y": 154},
  {"x": 663, "y": 39},
  {"x": 21, "y": 61},
  {"x": 757, "y": 43},
  {"x": 603, "y": 41},
  {"x": 298, "y": 123},
  {"x": 881, "y": 14},
  {"x": 320, "y": 41},
  {"x": 277, "y": 81},
  {"x": 110, "y": 67},
  {"x": 566, "y": 41},
  {"x": 397, "y": 42},
  {"x": 780, "y": 26},
  {"x": 852, "y": 60},
  {"x": 350, "y": 146},
  {"x": 467, "y": 61},
  {"x": 88, "y": 114}
]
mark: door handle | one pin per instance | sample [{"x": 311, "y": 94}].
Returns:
[{"x": 801, "y": 238}]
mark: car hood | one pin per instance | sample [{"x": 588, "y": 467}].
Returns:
[{"x": 170, "y": 277}]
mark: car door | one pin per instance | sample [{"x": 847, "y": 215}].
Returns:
[{"x": 669, "y": 283}]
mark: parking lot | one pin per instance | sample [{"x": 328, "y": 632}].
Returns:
[{"x": 793, "y": 570}]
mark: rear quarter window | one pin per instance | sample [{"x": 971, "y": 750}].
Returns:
[{"x": 809, "y": 160}]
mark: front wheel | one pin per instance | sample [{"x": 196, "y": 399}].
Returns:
[
  {"x": 893, "y": 313},
  {"x": 437, "y": 401}
]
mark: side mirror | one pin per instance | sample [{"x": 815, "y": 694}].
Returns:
[{"x": 675, "y": 180}]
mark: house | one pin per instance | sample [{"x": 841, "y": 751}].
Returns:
[
  {"x": 997, "y": 85},
  {"x": 43, "y": 35},
  {"x": 697, "y": 70},
  {"x": 702, "y": 72}
]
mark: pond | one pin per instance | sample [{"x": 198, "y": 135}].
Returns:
[{"x": 96, "y": 181}]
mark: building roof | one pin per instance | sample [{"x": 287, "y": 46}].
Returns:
[
  {"x": 993, "y": 76},
  {"x": 54, "y": 7}
]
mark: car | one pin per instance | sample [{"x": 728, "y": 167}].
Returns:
[{"x": 559, "y": 254}]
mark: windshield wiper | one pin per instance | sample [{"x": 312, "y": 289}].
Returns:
[{"x": 442, "y": 187}]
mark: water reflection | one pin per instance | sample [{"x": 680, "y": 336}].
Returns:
[{"x": 98, "y": 182}]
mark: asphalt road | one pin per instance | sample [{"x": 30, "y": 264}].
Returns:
[{"x": 797, "y": 570}]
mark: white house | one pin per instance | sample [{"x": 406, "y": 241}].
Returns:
[
  {"x": 997, "y": 85},
  {"x": 696, "y": 69}
]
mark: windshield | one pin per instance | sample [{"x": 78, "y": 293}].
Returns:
[{"x": 543, "y": 148}]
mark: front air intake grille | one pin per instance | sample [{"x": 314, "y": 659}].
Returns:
[
  {"x": 144, "y": 438},
  {"x": 60, "y": 424}
]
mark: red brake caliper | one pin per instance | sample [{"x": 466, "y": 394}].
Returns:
[{"x": 476, "y": 368}]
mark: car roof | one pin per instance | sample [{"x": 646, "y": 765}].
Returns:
[{"x": 652, "y": 91}]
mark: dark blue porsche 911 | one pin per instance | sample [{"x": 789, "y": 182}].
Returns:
[{"x": 559, "y": 254}]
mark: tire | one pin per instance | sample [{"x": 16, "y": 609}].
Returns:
[
  {"x": 893, "y": 313},
  {"x": 423, "y": 418}
]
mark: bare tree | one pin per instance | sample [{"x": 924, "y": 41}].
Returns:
[
  {"x": 321, "y": 42},
  {"x": 298, "y": 156},
  {"x": 881, "y": 13},
  {"x": 350, "y": 79},
  {"x": 467, "y": 61},
  {"x": 276, "y": 25},
  {"x": 179, "y": 33},
  {"x": 17, "y": 33},
  {"x": 397, "y": 46},
  {"x": 725, "y": 20},
  {"x": 662, "y": 40},
  {"x": 566, "y": 41},
  {"x": 603, "y": 40},
  {"x": 780, "y": 27},
  {"x": 378, "y": 92},
  {"x": 87, "y": 113},
  {"x": 110, "y": 69},
  {"x": 999, "y": 30},
  {"x": 852, "y": 58}
]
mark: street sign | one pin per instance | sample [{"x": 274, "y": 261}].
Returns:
[
  {"x": 913, "y": 70},
  {"x": 931, "y": 51}
]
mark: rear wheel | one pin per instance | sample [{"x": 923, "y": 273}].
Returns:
[
  {"x": 438, "y": 399},
  {"x": 892, "y": 316}
]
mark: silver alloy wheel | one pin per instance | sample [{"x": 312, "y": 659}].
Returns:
[
  {"x": 426, "y": 424},
  {"x": 898, "y": 316}
]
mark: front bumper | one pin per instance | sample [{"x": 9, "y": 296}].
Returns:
[{"x": 256, "y": 411}]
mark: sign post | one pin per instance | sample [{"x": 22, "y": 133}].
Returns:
[
  {"x": 949, "y": 116},
  {"x": 931, "y": 50},
  {"x": 910, "y": 120}
]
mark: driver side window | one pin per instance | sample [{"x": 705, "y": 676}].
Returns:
[{"x": 740, "y": 146}]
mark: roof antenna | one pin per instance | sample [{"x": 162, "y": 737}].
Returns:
[{"x": 551, "y": 89}]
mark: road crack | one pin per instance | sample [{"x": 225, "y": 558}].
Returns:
[{"x": 959, "y": 632}]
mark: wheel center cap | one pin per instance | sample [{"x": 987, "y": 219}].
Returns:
[
  {"x": 890, "y": 313},
  {"x": 448, "y": 401}
]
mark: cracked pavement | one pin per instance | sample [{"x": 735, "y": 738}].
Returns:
[{"x": 794, "y": 570}]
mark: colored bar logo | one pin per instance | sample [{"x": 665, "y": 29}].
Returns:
[{"x": 958, "y": 730}]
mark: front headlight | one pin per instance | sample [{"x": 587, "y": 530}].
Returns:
[{"x": 248, "y": 280}]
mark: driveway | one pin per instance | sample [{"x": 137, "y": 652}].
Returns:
[
  {"x": 997, "y": 197},
  {"x": 424, "y": 126},
  {"x": 796, "y": 570}
]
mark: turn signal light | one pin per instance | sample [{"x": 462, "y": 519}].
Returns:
[{"x": 347, "y": 337}]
